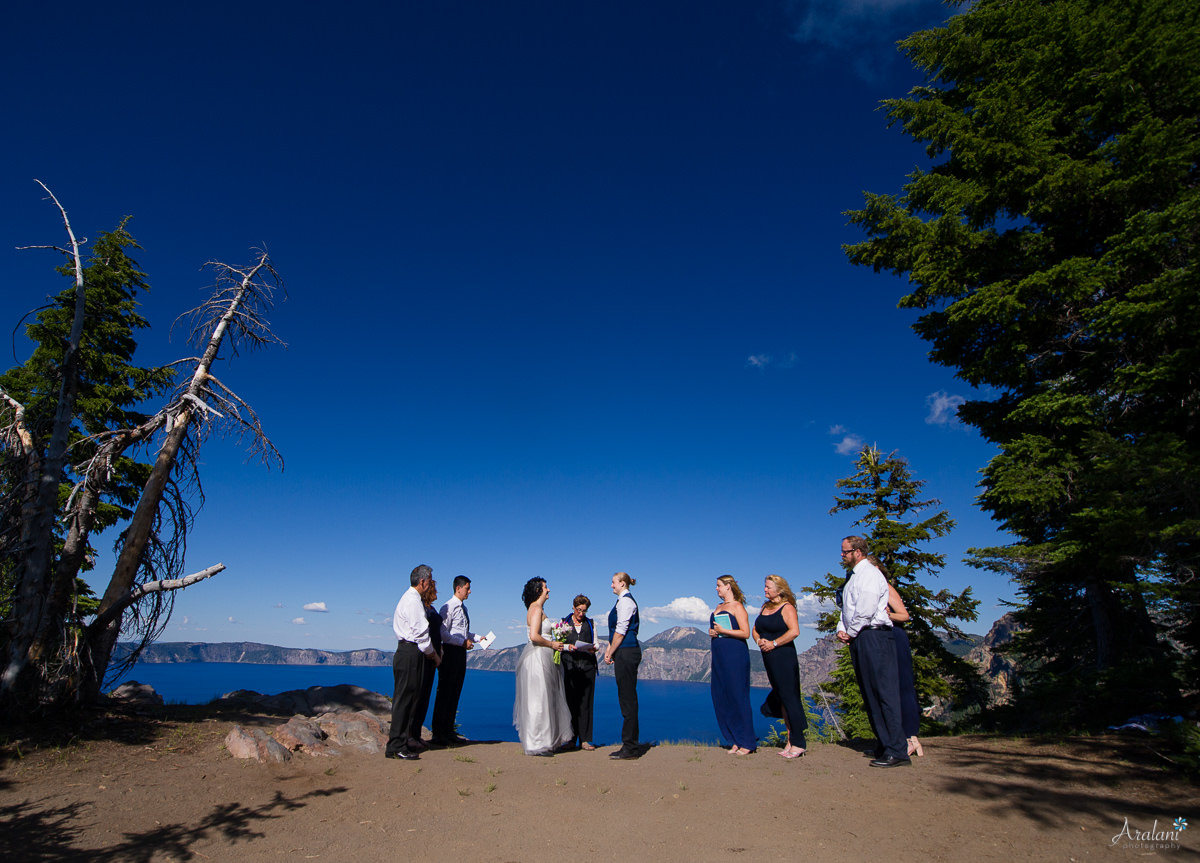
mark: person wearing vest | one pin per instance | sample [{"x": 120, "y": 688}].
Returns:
[
  {"x": 625, "y": 654},
  {"x": 579, "y": 670}
]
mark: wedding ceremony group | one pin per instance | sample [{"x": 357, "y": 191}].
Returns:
[{"x": 557, "y": 668}]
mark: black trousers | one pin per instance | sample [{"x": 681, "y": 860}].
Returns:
[
  {"x": 873, "y": 652},
  {"x": 427, "y": 677},
  {"x": 579, "y": 681},
  {"x": 408, "y": 670},
  {"x": 625, "y": 665},
  {"x": 451, "y": 674}
]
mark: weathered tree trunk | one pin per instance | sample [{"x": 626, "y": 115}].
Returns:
[
  {"x": 35, "y": 635},
  {"x": 103, "y": 632}
]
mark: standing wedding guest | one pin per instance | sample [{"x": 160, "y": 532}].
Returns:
[
  {"x": 910, "y": 707},
  {"x": 540, "y": 711},
  {"x": 625, "y": 654},
  {"x": 457, "y": 639},
  {"x": 867, "y": 628},
  {"x": 775, "y": 633},
  {"x": 729, "y": 627},
  {"x": 415, "y": 742},
  {"x": 412, "y": 646},
  {"x": 579, "y": 670}
]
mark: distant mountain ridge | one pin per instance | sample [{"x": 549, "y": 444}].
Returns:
[{"x": 680, "y": 653}]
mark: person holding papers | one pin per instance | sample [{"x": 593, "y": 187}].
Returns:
[
  {"x": 579, "y": 670},
  {"x": 729, "y": 627}
]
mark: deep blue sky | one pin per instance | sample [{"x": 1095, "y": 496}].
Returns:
[{"x": 565, "y": 292}]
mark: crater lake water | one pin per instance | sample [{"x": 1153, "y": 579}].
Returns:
[{"x": 668, "y": 711}]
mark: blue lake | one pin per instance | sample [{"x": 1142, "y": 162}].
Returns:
[{"x": 668, "y": 710}]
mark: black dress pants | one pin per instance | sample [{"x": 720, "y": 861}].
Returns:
[{"x": 625, "y": 666}]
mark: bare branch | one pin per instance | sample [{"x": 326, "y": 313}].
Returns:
[{"x": 150, "y": 587}]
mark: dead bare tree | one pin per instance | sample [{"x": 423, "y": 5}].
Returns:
[{"x": 47, "y": 661}]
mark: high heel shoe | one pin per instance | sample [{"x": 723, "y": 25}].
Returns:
[{"x": 914, "y": 746}]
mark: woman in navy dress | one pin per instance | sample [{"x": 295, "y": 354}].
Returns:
[
  {"x": 731, "y": 668},
  {"x": 910, "y": 708},
  {"x": 775, "y": 632}
]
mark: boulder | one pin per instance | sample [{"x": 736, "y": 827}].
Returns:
[
  {"x": 254, "y": 743},
  {"x": 136, "y": 695}
]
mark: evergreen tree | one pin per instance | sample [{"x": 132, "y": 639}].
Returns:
[
  {"x": 110, "y": 390},
  {"x": 1052, "y": 252},
  {"x": 885, "y": 496}
]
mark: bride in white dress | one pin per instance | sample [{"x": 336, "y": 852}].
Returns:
[{"x": 540, "y": 710}]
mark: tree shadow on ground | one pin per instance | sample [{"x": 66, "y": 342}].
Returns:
[
  {"x": 1103, "y": 778},
  {"x": 49, "y": 834}
]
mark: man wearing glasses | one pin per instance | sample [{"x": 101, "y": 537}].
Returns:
[{"x": 867, "y": 628}]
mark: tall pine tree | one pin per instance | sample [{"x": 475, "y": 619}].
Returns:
[{"x": 886, "y": 498}]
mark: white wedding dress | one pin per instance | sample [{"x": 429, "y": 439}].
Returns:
[{"x": 540, "y": 709}]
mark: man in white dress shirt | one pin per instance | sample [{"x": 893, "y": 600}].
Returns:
[
  {"x": 457, "y": 639},
  {"x": 867, "y": 628},
  {"x": 408, "y": 665}
]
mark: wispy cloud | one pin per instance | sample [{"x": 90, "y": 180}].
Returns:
[
  {"x": 867, "y": 28},
  {"x": 943, "y": 409},
  {"x": 692, "y": 609},
  {"x": 231, "y": 620},
  {"x": 763, "y": 361},
  {"x": 850, "y": 444},
  {"x": 316, "y": 606},
  {"x": 299, "y": 621}
]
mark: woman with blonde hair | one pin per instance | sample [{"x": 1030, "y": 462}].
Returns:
[
  {"x": 775, "y": 633},
  {"x": 729, "y": 627}
]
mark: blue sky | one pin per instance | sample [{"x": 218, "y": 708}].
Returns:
[{"x": 565, "y": 288}]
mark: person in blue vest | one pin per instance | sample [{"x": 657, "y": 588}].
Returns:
[{"x": 625, "y": 654}]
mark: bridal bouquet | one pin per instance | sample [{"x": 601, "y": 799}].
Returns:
[{"x": 559, "y": 632}]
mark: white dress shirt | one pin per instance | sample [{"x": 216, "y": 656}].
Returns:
[
  {"x": 864, "y": 600},
  {"x": 625, "y": 609},
  {"x": 454, "y": 623},
  {"x": 409, "y": 622}
]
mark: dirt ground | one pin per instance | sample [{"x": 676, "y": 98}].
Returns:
[{"x": 162, "y": 789}]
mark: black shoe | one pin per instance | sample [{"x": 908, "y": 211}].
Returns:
[
  {"x": 403, "y": 756},
  {"x": 626, "y": 754},
  {"x": 891, "y": 761}
]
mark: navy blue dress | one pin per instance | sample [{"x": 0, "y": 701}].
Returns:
[{"x": 731, "y": 689}]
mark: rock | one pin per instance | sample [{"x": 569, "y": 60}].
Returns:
[
  {"x": 315, "y": 700},
  {"x": 361, "y": 731},
  {"x": 303, "y": 734},
  {"x": 136, "y": 694},
  {"x": 254, "y": 743}
]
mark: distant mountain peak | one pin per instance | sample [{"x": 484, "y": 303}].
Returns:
[{"x": 680, "y": 637}]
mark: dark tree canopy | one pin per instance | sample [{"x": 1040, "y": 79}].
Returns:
[{"x": 1051, "y": 252}]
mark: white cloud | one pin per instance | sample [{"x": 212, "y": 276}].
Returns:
[
  {"x": 692, "y": 609},
  {"x": 231, "y": 620},
  {"x": 278, "y": 605},
  {"x": 316, "y": 606},
  {"x": 943, "y": 408},
  {"x": 850, "y": 444},
  {"x": 809, "y": 607},
  {"x": 758, "y": 361},
  {"x": 299, "y": 621}
]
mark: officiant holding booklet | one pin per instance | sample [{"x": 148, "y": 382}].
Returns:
[
  {"x": 729, "y": 627},
  {"x": 579, "y": 671}
]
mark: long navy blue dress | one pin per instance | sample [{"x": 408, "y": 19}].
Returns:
[{"x": 731, "y": 689}]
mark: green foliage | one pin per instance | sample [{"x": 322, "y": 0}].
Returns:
[
  {"x": 852, "y": 712},
  {"x": 111, "y": 389},
  {"x": 1051, "y": 252},
  {"x": 886, "y": 497}
]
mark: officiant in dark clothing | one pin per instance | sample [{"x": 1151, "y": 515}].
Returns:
[{"x": 579, "y": 671}]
